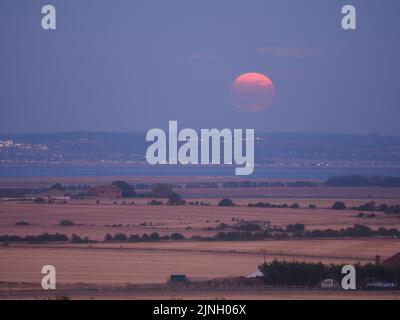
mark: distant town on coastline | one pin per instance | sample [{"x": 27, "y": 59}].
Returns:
[{"x": 276, "y": 149}]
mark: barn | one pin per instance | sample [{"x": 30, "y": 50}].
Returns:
[{"x": 112, "y": 192}]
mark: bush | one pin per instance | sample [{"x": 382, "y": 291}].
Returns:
[
  {"x": 108, "y": 237},
  {"x": 145, "y": 237},
  {"x": 22, "y": 223},
  {"x": 177, "y": 236},
  {"x": 120, "y": 237},
  {"x": 162, "y": 190},
  {"x": 76, "y": 239},
  {"x": 297, "y": 227},
  {"x": 57, "y": 187},
  {"x": 154, "y": 236},
  {"x": 134, "y": 238},
  {"x": 226, "y": 203},
  {"x": 126, "y": 189},
  {"x": 338, "y": 205},
  {"x": 66, "y": 223},
  {"x": 176, "y": 200}
]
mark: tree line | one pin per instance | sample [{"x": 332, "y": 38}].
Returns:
[{"x": 278, "y": 273}]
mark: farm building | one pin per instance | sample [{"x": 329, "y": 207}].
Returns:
[
  {"x": 112, "y": 192},
  {"x": 393, "y": 260}
]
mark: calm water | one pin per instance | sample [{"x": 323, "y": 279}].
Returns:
[{"x": 288, "y": 173}]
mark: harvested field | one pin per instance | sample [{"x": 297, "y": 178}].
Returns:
[
  {"x": 95, "y": 221},
  {"x": 154, "y": 262}
]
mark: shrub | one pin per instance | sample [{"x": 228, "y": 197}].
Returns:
[
  {"x": 162, "y": 190},
  {"x": 66, "y": 223},
  {"x": 338, "y": 205},
  {"x": 22, "y": 223},
  {"x": 76, "y": 239},
  {"x": 155, "y": 203},
  {"x": 108, "y": 237},
  {"x": 126, "y": 189},
  {"x": 57, "y": 187},
  {"x": 134, "y": 238},
  {"x": 176, "y": 200},
  {"x": 226, "y": 203},
  {"x": 154, "y": 236},
  {"x": 120, "y": 237},
  {"x": 177, "y": 236},
  {"x": 297, "y": 227}
]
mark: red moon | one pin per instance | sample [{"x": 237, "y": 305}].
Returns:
[{"x": 252, "y": 92}]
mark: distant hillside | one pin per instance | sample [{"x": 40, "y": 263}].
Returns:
[{"x": 363, "y": 181}]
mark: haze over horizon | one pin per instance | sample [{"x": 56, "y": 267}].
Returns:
[{"x": 124, "y": 66}]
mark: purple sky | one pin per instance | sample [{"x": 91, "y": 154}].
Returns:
[{"x": 133, "y": 65}]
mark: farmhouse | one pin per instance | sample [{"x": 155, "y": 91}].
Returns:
[{"x": 112, "y": 192}]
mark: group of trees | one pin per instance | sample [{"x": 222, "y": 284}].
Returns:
[
  {"x": 22, "y": 223},
  {"x": 239, "y": 236},
  {"x": 297, "y": 227},
  {"x": 285, "y": 273},
  {"x": 270, "y": 205},
  {"x": 121, "y": 237},
  {"x": 163, "y": 190},
  {"x": 66, "y": 223},
  {"x": 249, "y": 231},
  {"x": 357, "y": 230},
  {"x": 226, "y": 203},
  {"x": 339, "y": 205},
  {"x": 41, "y": 238},
  {"x": 369, "y": 206},
  {"x": 127, "y": 190}
]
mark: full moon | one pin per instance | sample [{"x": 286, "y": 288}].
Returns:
[{"x": 252, "y": 92}]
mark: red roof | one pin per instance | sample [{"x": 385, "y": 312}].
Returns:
[{"x": 393, "y": 261}]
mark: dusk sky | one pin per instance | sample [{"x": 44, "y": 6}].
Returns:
[{"x": 133, "y": 65}]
